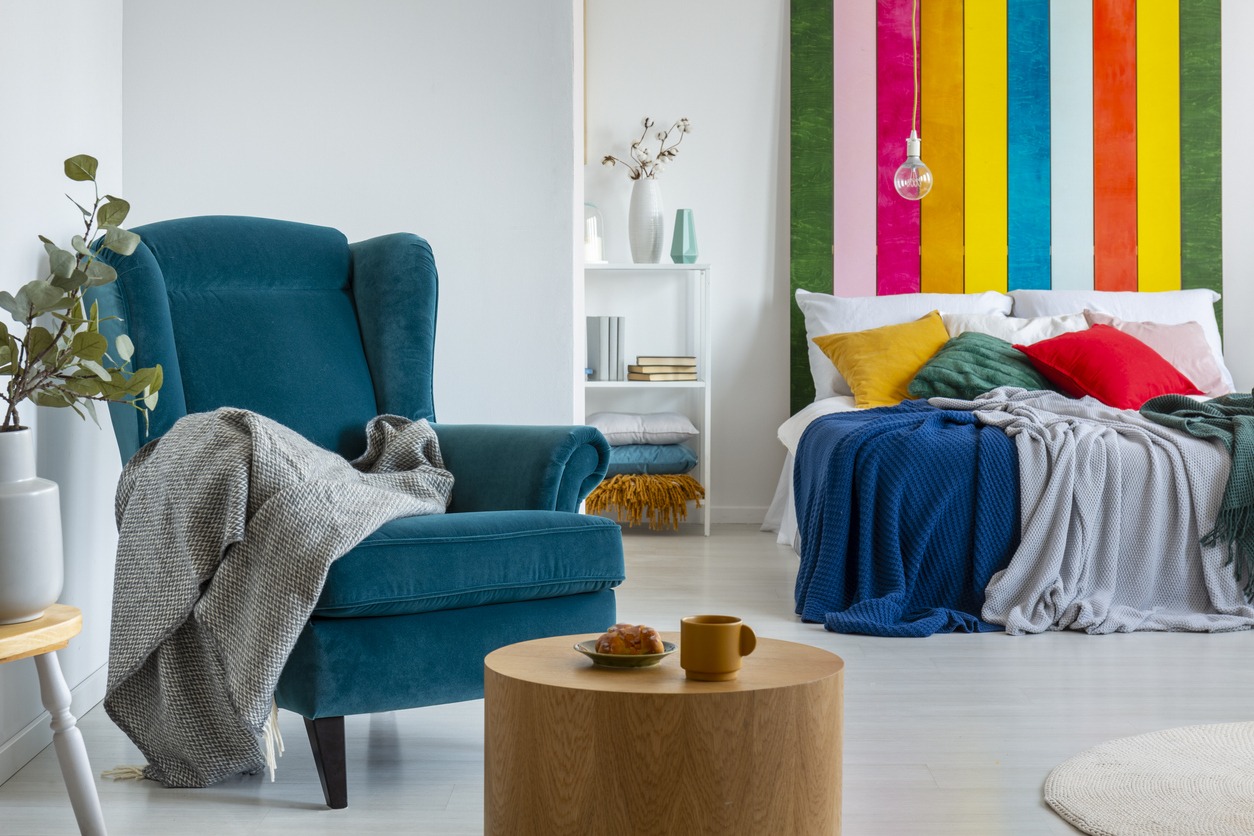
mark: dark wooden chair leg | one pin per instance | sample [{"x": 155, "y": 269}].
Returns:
[{"x": 326, "y": 738}]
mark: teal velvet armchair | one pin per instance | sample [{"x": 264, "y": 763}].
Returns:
[{"x": 293, "y": 322}]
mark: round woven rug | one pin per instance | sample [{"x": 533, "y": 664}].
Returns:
[{"x": 1192, "y": 780}]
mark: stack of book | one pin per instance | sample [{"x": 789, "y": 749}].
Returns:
[{"x": 663, "y": 368}]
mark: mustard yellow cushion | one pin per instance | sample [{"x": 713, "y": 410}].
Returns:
[{"x": 880, "y": 363}]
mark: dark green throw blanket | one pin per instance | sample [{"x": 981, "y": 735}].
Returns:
[{"x": 1229, "y": 418}]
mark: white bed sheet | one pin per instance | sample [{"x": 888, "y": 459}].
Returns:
[{"x": 781, "y": 516}]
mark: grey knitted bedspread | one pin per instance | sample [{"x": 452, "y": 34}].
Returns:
[
  {"x": 1114, "y": 508},
  {"x": 228, "y": 525}
]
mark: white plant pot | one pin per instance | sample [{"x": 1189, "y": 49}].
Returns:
[
  {"x": 31, "y": 568},
  {"x": 644, "y": 221}
]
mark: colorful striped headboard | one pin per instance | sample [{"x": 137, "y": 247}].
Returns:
[{"x": 1075, "y": 144}]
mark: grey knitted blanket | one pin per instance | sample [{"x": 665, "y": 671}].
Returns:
[
  {"x": 227, "y": 526},
  {"x": 1114, "y": 507}
]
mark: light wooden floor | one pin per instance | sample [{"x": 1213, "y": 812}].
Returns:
[{"x": 945, "y": 735}]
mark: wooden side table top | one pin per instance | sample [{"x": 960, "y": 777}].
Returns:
[
  {"x": 51, "y": 631},
  {"x": 555, "y": 662}
]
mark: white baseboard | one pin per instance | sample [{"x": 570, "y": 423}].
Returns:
[
  {"x": 18, "y": 750},
  {"x": 738, "y": 514}
]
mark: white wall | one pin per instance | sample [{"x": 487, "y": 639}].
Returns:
[
  {"x": 725, "y": 66},
  {"x": 63, "y": 96},
  {"x": 1238, "y": 201},
  {"x": 451, "y": 120}
]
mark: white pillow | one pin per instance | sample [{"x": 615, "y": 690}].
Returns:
[
  {"x": 1015, "y": 330},
  {"x": 1170, "y": 307},
  {"x": 828, "y": 314},
  {"x": 654, "y": 428}
]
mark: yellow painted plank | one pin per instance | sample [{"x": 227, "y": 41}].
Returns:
[
  {"x": 942, "y": 135},
  {"x": 1158, "y": 144},
  {"x": 984, "y": 175}
]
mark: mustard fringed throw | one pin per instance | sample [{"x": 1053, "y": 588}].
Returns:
[{"x": 663, "y": 498}]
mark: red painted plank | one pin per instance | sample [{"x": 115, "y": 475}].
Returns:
[{"x": 1114, "y": 144}]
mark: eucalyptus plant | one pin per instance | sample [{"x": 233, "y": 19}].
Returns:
[{"x": 61, "y": 359}]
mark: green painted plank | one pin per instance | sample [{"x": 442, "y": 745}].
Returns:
[
  {"x": 812, "y": 213},
  {"x": 1201, "y": 198}
]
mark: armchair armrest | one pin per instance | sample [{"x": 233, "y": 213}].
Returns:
[{"x": 500, "y": 467}]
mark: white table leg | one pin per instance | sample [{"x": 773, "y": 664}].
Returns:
[{"x": 68, "y": 740}]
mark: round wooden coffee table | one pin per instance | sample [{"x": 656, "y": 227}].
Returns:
[{"x": 571, "y": 748}]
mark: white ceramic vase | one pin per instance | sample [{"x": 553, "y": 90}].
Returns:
[
  {"x": 31, "y": 569},
  {"x": 644, "y": 221}
]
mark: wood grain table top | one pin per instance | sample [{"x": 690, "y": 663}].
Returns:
[
  {"x": 52, "y": 631},
  {"x": 555, "y": 662}
]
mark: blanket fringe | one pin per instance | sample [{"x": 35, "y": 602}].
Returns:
[
  {"x": 125, "y": 773},
  {"x": 663, "y": 498},
  {"x": 1234, "y": 529},
  {"x": 273, "y": 740}
]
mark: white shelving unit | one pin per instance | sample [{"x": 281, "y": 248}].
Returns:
[{"x": 666, "y": 311}]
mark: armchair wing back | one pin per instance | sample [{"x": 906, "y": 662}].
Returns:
[{"x": 264, "y": 315}]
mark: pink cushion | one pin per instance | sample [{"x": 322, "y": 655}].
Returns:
[
  {"x": 1107, "y": 364},
  {"x": 1182, "y": 345}
]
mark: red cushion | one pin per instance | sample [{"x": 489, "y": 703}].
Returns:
[{"x": 1114, "y": 367}]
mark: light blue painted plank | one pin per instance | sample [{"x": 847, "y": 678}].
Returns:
[
  {"x": 1071, "y": 145},
  {"x": 1028, "y": 129}
]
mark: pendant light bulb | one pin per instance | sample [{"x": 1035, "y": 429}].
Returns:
[{"x": 913, "y": 179}]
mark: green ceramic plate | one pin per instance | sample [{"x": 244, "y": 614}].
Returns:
[{"x": 623, "y": 660}]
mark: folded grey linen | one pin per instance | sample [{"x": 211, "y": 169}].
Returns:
[
  {"x": 1113, "y": 511},
  {"x": 227, "y": 526}
]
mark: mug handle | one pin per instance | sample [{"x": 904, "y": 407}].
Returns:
[{"x": 748, "y": 641}]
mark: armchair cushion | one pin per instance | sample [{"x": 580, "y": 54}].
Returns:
[{"x": 450, "y": 561}]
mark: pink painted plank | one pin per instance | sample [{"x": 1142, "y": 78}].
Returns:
[
  {"x": 855, "y": 148},
  {"x": 897, "y": 227}
]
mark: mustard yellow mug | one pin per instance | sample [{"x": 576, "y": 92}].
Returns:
[{"x": 711, "y": 646}]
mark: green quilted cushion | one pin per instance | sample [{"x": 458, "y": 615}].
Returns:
[{"x": 971, "y": 364}]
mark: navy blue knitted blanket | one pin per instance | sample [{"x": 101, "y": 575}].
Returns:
[{"x": 905, "y": 513}]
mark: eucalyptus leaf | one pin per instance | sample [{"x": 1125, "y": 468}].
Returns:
[
  {"x": 39, "y": 344},
  {"x": 79, "y": 243},
  {"x": 140, "y": 381},
  {"x": 96, "y": 369},
  {"x": 81, "y": 167},
  {"x": 86, "y": 212},
  {"x": 4, "y": 333},
  {"x": 11, "y": 304},
  {"x": 126, "y": 348},
  {"x": 91, "y": 410},
  {"x": 100, "y": 273},
  {"x": 150, "y": 399},
  {"x": 93, "y": 317},
  {"x": 87, "y": 387},
  {"x": 43, "y": 297},
  {"x": 61, "y": 262},
  {"x": 75, "y": 280},
  {"x": 121, "y": 241},
  {"x": 89, "y": 346},
  {"x": 112, "y": 212},
  {"x": 113, "y": 391},
  {"x": 50, "y": 397},
  {"x": 6, "y": 358}
]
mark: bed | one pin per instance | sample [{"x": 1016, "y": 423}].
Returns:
[{"x": 1006, "y": 504}]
